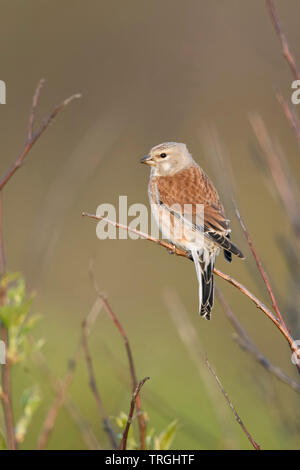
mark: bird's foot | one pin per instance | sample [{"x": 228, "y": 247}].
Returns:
[{"x": 172, "y": 250}]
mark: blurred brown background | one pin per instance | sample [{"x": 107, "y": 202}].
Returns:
[{"x": 148, "y": 72}]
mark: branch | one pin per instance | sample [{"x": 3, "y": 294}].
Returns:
[
  {"x": 7, "y": 402},
  {"x": 5, "y": 369},
  {"x": 290, "y": 116},
  {"x": 92, "y": 380},
  {"x": 284, "y": 44},
  {"x": 247, "y": 344},
  {"x": 262, "y": 272},
  {"x": 283, "y": 182},
  {"x": 260, "y": 266},
  {"x": 190, "y": 338},
  {"x": 35, "y": 100},
  {"x": 252, "y": 441},
  {"x": 30, "y": 141},
  {"x": 53, "y": 412},
  {"x": 113, "y": 316},
  {"x": 62, "y": 389},
  {"x": 33, "y": 137},
  {"x": 136, "y": 392},
  {"x": 84, "y": 427},
  {"x": 219, "y": 273},
  {"x": 2, "y": 252}
]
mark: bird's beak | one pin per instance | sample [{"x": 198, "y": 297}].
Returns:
[{"x": 147, "y": 159}]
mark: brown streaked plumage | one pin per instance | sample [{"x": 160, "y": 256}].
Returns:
[
  {"x": 178, "y": 187},
  {"x": 192, "y": 186}
]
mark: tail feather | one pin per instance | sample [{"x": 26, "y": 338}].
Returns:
[
  {"x": 195, "y": 256},
  {"x": 228, "y": 254},
  {"x": 207, "y": 290},
  {"x": 224, "y": 242},
  {"x": 206, "y": 284}
]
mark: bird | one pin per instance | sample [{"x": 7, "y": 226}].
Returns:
[{"x": 189, "y": 213}]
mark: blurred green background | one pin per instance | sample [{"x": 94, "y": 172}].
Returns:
[{"x": 149, "y": 71}]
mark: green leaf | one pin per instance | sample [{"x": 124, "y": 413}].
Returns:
[
  {"x": 165, "y": 439},
  {"x": 16, "y": 308},
  {"x": 121, "y": 420},
  {"x": 28, "y": 326},
  {"x": 149, "y": 438},
  {"x": 30, "y": 401},
  {"x": 8, "y": 278}
]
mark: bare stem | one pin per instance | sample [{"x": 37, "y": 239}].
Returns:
[
  {"x": 260, "y": 266},
  {"x": 263, "y": 274},
  {"x": 94, "y": 388},
  {"x": 284, "y": 184},
  {"x": 53, "y": 411},
  {"x": 284, "y": 44},
  {"x": 237, "y": 417},
  {"x": 219, "y": 273},
  {"x": 7, "y": 403},
  {"x": 247, "y": 344},
  {"x": 35, "y": 100},
  {"x": 33, "y": 137},
  {"x": 63, "y": 386},
  {"x": 2, "y": 252},
  {"x": 123, "y": 443},
  {"x": 84, "y": 427},
  {"x": 5, "y": 369},
  {"x": 289, "y": 116},
  {"x": 30, "y": 141},
  {"x": 115, "y": 319}
]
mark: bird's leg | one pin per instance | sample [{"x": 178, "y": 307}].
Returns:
[{"x": 172, "y": 250}]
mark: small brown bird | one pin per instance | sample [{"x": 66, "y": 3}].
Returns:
[{"x": 189, "y": 213}]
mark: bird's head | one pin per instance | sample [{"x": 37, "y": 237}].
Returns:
[{"x": 168, "y": 158}]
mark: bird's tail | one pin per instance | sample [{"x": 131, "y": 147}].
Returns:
[{"x": 206, "y": 284}]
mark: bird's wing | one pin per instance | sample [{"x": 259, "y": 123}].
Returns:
[{"x": 190, "y": 187}]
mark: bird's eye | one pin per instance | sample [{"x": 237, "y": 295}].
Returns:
[{"x": 163, "y": 155}]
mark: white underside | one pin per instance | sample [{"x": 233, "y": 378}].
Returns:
[{"x": 183, "y": 236}]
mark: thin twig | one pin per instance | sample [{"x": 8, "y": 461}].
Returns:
[
  {"x": 32, "y": 138},
  {"x": 190, "y": 338},
  {"x": 284, "y": 183},
  {"x": 84, "y": 427},
  {"x": 5, "y": 369},
  {"x": 160, "y": 404},
  {"x": 53, "y": 411},
  {"x": 285, "y": 47},
  {"x": 173, "y": 249},
  {"x": 222, "y": 163},
  {"x": 259, "y": 305},
  {"x": 237, "y": 417},
  {"x": 7, "y": 403},
  {"x": 259, "y": 265},
  {"x": 262, "y": 272},
  {"x": 2, "y": 251},
  {"x": 247, "y": 344},
  {"x": 289, "y": 116},
  {"x": 123, "y": 443},
  {"x": 93, "y": 385},
  {"x": 35, "y": 100},
  {"x": 62, "y": 390},
  {"x": 30, "y": 141},
  {"x": 113, "y": 316}
]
